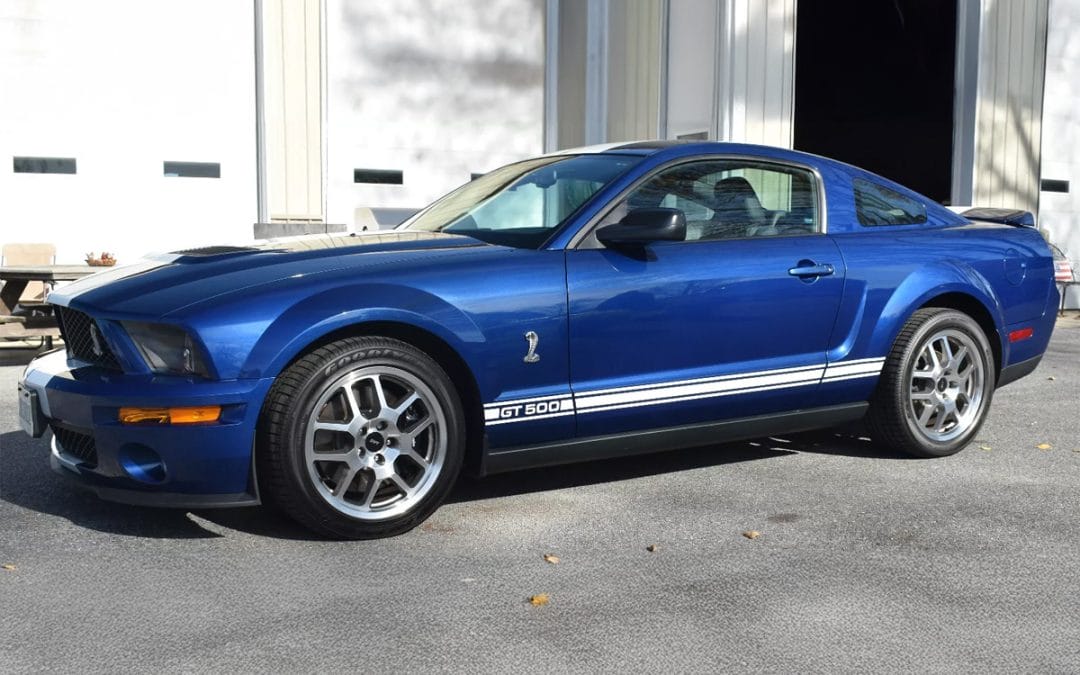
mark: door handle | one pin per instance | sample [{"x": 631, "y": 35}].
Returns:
[{"x": 808, "y": 268}]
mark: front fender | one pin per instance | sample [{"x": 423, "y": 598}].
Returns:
[{"x": 314, "y": 317}]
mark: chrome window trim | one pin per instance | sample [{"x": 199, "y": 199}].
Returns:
[{"x": 587, "y": 230}]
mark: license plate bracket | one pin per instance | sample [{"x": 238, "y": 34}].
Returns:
[{"x": 31, "y": 418}]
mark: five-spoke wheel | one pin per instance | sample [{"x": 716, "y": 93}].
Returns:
[
  {"x": 935, "y": 389},
  {"x": 375, "y": 443},
  {"x": 361, "y": 438},
  {"x": 947, "y": 385}
]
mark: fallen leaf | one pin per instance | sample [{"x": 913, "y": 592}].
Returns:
[
  {"x": 652, "y": 548},
  {"x": 1044, "y": 446},
  {"x": 539, "y": 600},
  {"x": 8, "y": 566},
  {"x": 985, "y": 447},
  {"x": 751, "y": 534},
  {"x": 1051, "y": 378},
  {"x": 553, "y": 559}
]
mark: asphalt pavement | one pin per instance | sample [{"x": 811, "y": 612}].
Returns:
[{"x": 865, "y": 561}]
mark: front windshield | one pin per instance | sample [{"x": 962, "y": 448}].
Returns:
[{"x": 521, "y": 205}]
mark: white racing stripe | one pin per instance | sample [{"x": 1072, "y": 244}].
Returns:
[
  {"x": 720, "y": 378},
  {"x": 609, "y": 401},
  {"x": 635, "y": 396}
]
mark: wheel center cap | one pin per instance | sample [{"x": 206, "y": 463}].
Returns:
[{"x": 374, "y": 442}]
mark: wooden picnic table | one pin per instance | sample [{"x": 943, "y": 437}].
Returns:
[{"x": 15, "y": 279}]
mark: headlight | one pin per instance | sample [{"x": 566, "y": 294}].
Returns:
[{"x": 167, "y": 349}]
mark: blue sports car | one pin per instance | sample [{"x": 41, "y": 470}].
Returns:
[{"x": 583, "y": 304}]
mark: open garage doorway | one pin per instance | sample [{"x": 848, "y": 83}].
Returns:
[{"x": 874, "y": 86}]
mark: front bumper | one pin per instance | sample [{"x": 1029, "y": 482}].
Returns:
[{"x": 181, "y": 466}]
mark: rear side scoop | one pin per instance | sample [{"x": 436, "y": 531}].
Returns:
[{"x": 1013, "y": 217}]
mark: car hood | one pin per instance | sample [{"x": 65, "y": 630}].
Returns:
[{"x": 161, "y": 284}]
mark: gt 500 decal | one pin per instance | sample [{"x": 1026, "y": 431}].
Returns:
[
  {"x": 600, "y": 400},
  {"x": 528, "y": 409}
]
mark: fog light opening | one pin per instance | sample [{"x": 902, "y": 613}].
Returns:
[{"x": 142, "y": 463}]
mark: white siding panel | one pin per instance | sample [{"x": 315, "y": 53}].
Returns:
[
  {"x": 437, "y": 90},
  {"x": 1009, "y": 110},
  {"x": 756, "y": 61},
  {"x": 633, "y": 74},
  {"x": 293, "y": 86},
  {"x": 1059, "y": 212},
  {"x": 123, "y": 86},
  {"x": 691, "y": 67}
]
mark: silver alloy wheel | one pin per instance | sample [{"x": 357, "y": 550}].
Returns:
[
  {"x": 375, "y": 442},
  {"x": 945, "y": 397}
]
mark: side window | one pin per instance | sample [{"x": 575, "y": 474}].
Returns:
[
  {"x": 878, "y": 205},
  {"x": 731, "y": 199}
]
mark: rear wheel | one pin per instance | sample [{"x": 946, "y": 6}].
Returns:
[
  {"x": 936, "y": 387},
  {"x": 361, "y": 438}
]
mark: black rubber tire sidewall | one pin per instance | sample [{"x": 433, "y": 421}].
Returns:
[
  {"x": 283, "y": 426},
  {"x": 889, "y": 420}
]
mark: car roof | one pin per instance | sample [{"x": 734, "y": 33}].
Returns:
[
  {"x": 676, "y": 148},
  {"x": 664, "y": 150}
]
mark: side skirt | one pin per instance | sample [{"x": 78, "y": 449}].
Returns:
[{"x": 669, "y": 438}]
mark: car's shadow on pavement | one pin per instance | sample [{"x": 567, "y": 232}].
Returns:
[{"x": 26, "y": 481}]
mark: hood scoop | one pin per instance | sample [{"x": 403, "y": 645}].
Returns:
[{"x": 209, "y": 251}]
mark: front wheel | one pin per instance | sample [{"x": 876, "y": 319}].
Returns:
[
  {"x": 936, "y": 387},
  {"x": 361, "y": 438}
]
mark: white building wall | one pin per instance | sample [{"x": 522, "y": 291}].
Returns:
[
  {"x": 435, "y": 90},
  {"x": 1059, "y": 213},
  {"x": 633, "y": 70},
  {"x": 293, "y": 108},
  {"x": 756, "y": 76},
  {"x": 1009, "y": 109},
  {"x": 690, "y": 96},
  {"x": 730, "y": 70},
  {"x": 122, "y": 86}
]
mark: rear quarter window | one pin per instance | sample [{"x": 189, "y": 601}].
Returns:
[{"x": 878, "y": 205}]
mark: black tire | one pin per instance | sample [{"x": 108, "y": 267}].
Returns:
[
  {"x": 304, "y": 490},
  {"x": 893, "y": 420}
]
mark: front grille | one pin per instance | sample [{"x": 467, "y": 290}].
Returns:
[
  {"x": 83, "y": 339},
  {"x": 76, "y": 444}
]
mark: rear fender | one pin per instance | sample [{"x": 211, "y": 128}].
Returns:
[{"x": 879, "y": 316}]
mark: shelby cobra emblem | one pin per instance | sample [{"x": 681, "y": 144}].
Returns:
[{"x": 531, "y": 356}]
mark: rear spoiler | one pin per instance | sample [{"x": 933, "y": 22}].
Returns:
[{"x": 1003, "y": 216}]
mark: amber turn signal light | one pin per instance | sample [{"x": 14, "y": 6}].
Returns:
[{"x": 195, "y": 415}]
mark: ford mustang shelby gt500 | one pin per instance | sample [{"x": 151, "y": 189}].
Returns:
[{"x": 578, "y": 305}]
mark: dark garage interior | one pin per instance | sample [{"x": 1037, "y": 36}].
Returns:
[{"x": 874, "y": 85}]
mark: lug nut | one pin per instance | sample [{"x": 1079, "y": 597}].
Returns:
[
  {"x": 381, "y": 425},
  {"x": 379, "y": 459}
]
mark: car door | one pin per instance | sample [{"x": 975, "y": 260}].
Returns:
[{"x": 733, "y": 322}]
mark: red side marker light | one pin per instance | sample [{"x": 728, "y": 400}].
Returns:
[{"x": 1022, "y": 334}]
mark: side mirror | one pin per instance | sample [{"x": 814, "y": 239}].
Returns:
[{"x": 643, "y": 226}]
